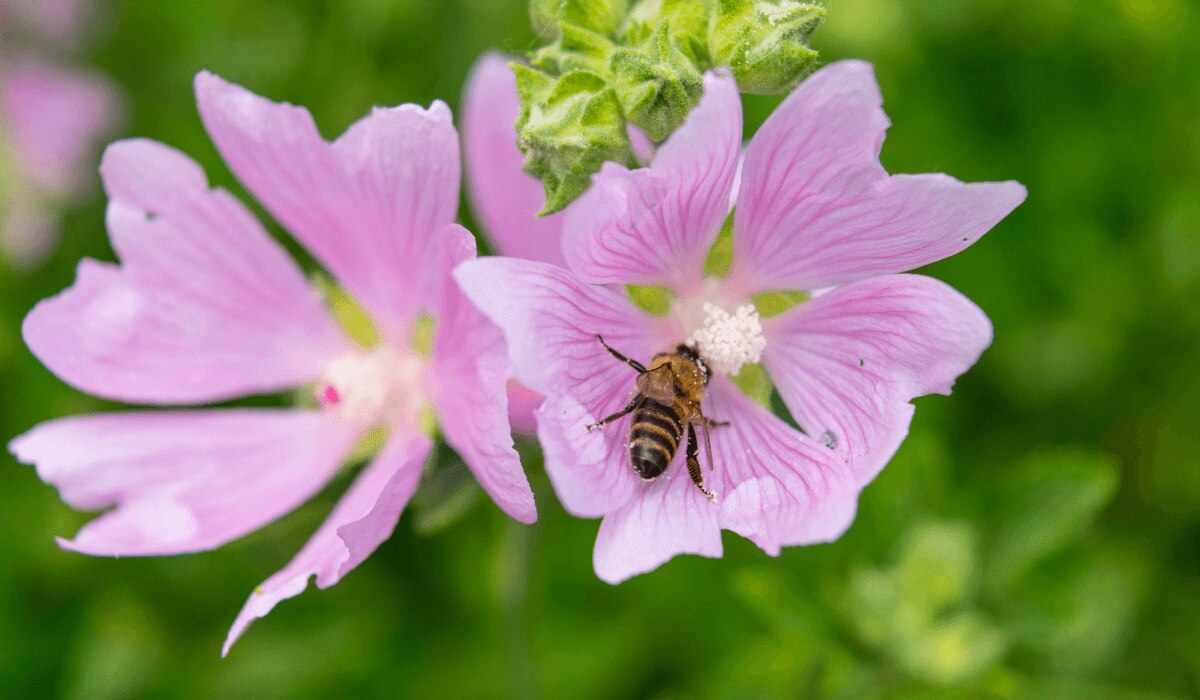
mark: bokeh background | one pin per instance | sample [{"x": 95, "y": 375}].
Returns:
[{"x": 1038, "y": 535}]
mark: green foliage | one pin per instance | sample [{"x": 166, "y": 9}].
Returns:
[
  {"x": 601, "y": 16},
  {"x": 1054, "y": 498}
]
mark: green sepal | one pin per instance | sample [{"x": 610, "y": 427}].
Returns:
[
  {"x": 569, "y": 126},
  {"x": 653, "y": 300},
  {"x": 602, "y": 16},
  {"x": 688, "y": 20},
  {"x": 657, "y": 84},
  {"x": 764, "y": 42}
]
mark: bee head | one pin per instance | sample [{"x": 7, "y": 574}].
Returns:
[{"x": 692, "y": 354}]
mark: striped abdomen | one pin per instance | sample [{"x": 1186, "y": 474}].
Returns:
[{"x": 654, "y": 437}]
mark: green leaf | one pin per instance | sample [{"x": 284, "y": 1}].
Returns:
[
  {"x": 446, "y": 494},
  {"x": 569, "y": 126},
  {"x": 764, "y": 42},
  {"x": 1043, "y": 504}
]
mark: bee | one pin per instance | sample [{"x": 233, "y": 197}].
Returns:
[{"x": 667, "y": 398}]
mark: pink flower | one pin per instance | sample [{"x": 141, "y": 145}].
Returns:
[
  {"x": 816, "y": 212},
  {"x": 51, "y": 120},
  {"x": 206, "y": 307}
]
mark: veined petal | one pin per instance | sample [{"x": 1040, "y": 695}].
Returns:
[
  {"x": 777, "y": 487},
  {"x": 590, "y": 471},
  {"x": 363, "y": 518},
  {"x": 205, "y": 306},
  {"x": 184, "y": 481},
  {"x": 368, "y": 206},
  {"x": 816, "y": 208},
  {"x": 848, "y": 362},
  {"x": 504, "y": 199},
  {"x": 667, "y": 517},
  {"x": 470, "y": 374},
  {"x": 550, "y": 319},
  {"x": 654, "y": 226}
]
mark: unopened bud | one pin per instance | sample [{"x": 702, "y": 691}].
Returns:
[
  {"x": 601, "y": 16},
  {"x": 569, "y": 126},
  {"x": 764, "y": 42},
  {"x": 657, "y": 84}
]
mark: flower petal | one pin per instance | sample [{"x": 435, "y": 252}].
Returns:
[
  {"x": 368, "y": 206},
  {"x": 470, "y": 374},
  {"x": 204, "y": 307},
  {"x": 654, "y": 226},
  {"x": 550, "y": 319},
  {"x": 667, "y": 517},
  {"x": 590, "y": 471},
  {"x": 186, "y": 481},
  {"x": 816, "y": 208},
  {"x": 363, "y": 518},
  {"x": 848, "y": 362},
  {"x": 504, "y": 199},
  {"x": 777, "y": 487},
  {"x": 53, "y": 118}
]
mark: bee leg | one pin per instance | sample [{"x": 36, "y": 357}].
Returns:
[
  {"x": 632, "y": 363},
  {"x": 693, "y": 465},
  {"x": 633, "y": 404},
  {"x": 710, "y": 423}
]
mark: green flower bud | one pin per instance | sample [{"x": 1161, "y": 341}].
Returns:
[
  {"x": 688, "y": 20},
  {"x": 657, "y": 84},
  {"x": 764, "y": 42},
  {"x": 575, "y": 49},
  {"x": 602, "y": 16},
  {"x": 569, "y": 126}
]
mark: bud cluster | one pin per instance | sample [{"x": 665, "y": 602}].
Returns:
[{"x": 615, "y": 63}]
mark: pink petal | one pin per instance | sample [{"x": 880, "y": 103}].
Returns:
[
  {"x": 848, "y": 362},
  {"x": 654, "y": 226},
  {"x": 590, "y": 471},
  {"x": 550, "y": 319},
  {"x": 53, "y": 118},
  {"x": 368, "y": 206},
  {"x": 187, "y": 481},
  {"x": 777, "y": 487},
  {"x": 470, "y": 374},
  {"x": 363, "y": 518},
  {"x": 667, "y": 517},
  {"x": 816, "y": 208},
  {"x": 504, "y": 199},
  {"x": 522, "y": 402},
  {"x": 205, "y": 305}
]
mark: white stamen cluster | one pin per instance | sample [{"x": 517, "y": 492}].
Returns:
[
  {"x": 369, "y": 387},
  {"x": 729, "y": 341}
]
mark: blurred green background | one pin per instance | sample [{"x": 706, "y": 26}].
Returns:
[{"x": 1038, "y": 535}]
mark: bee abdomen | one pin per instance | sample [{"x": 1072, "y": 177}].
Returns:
[{"x": 654, "y": 437}]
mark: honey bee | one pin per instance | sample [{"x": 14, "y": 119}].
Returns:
[{"x": 667, "y": 397}]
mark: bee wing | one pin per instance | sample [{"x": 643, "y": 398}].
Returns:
[{"x": 658, "y": 384}]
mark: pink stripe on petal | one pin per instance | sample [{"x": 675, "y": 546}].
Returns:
[
  {"x": 777, "y": 487},
  {"x": 363, "y": 518},
  {"x": 469, "y": 375},
  {"x": 654, "y": 226},
  {"x": 187, "y": 481},
  {"x": 368, "y": 206},
  {"x": 816, "y": 208},
  {"x": 504, "y": 199},
  {"x": 205, "y": 306},
  {"x": 849, "y": 361}
]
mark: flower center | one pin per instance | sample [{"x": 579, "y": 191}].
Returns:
[
  {"x": 728, "y": 341},
  {"x": 380, "y": 385}
]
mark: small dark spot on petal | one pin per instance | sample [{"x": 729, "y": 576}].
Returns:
[
  {"x": 151, "y": 216},
  {"x": 965, "y": 239},
  {"x": 861, "y": 362},
  {"x": 830, "y": 439}
]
